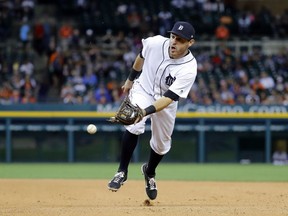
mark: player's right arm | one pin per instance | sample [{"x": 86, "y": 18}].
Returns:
[{"x": 135, "y": 72}]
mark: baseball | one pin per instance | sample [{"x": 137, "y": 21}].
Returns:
[{"x": 91, "y": 129}]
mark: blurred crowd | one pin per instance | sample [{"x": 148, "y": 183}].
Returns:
[
  {"x": 76, "y": 53},
  {"x": 248, "y": 78}
]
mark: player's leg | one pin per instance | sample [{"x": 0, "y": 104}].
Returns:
[
  {"x": 162, "y": 124},
  {"x": 129, "y": 142},
  {"x": 130, "y": 139}
]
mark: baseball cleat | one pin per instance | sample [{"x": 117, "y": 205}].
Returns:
[
  {"x": 118, "y": 180},
  {"x": 151, "y": 188}
]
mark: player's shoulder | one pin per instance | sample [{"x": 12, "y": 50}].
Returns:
[
  {"x": 192, "y": 60},
  {"x": 190, "y": 64}
]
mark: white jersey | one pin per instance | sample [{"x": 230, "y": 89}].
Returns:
[{"x": 160, "y": 72}]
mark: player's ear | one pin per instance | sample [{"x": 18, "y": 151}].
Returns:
[{"x": 191, "y": 42}]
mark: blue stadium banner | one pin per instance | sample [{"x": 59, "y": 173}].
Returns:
[{"x": 233, "y": 109}]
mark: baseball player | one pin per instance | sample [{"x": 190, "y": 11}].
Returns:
[{"x": 163, "y": 72}]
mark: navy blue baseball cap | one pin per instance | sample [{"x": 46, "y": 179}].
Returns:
[{"x": 184, "y": 30}]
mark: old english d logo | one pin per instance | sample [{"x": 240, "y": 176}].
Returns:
[
  {"x": 180, "y": 27},
  {"x": 169, "y": 80}
]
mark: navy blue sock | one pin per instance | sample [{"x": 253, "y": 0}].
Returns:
[
  {"x": 153, "y": 162},
  {"x": 129, "y": 142}
]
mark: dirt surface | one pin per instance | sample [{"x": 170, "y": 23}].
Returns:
[{"x": 91, "y": 197}]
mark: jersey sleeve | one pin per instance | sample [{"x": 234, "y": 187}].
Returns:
[
  {"x": 145, "y": 44},
  {"x": 151, "y": 43},
  {"x": 184, "y": 81}
]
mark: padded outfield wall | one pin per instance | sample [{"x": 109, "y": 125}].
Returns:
[{"x": 57, "y": 133}]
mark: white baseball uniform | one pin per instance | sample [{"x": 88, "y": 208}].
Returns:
[{"x": 159, "y": 74}]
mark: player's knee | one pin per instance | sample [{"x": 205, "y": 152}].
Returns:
[{"x": 161, "y": 149}]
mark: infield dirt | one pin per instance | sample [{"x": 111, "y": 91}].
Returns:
[{"x": 21, "y": 197}]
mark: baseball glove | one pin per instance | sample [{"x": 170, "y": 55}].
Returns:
[{"x": 127, "y": 113}]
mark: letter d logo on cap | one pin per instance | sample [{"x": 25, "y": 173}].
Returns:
[{"x": 180, "y": 27}]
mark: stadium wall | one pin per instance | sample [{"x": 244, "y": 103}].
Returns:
[{"x": 57, "y": 133}]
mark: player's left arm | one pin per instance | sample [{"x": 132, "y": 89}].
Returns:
[
  {"x": 161, "y": 103},
  {"x": 179, "y": 88},
  {"x": 157, "y": 106}
]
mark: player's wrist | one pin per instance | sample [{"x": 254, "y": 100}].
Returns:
[
  {"x": 133, "y": 74},
  {"x": 150, "y": 110}
]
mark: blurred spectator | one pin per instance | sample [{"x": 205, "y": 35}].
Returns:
[
  {"x": 222, "y": 32},
  {"x": 207, "y": 100},
  {"x": 240, "y": 100},
  {"x": 134, "y": 21},
  {"x": 69, "y": 98},
  {"x": 27, "y": 67},
  {"x": 75, "y": 39},
  {"x": 102, "y": 95},
  {"x": 81, "y": 5},
  {"x": 65, "y": 35},
  {"x": 24, "y": 32},
  {"x": 252, "y": 98},
  {"x": 245, "y": 21},
  {"x": 280, "y": 156},
  {"x": 6, "y": 91},
  {"x": 165, "y": 21},
  {"x": 256, "y": 85},
  {"x": 38, "y": 37},
  {"x": 264, "y": 98},
  {"x": 15, "y": 80},
  {"x": 66, "y": 89},
  {"x": 28, "y": 8},
  {"x": 27, "y": 85},
  {"x": 15, "y": 98},
  {"x": 56, "y": 63},
  {"x": 121, "y": 12},
  {"x": 90, "y": 79},
  {"x": 216, "y": 97},
  {"x": 285, "y": 100},
  {"x": 226, "y": 95},
  {"x": 108, "y": 40},
  {"x": 266, "y": 80},
  {"x": 274, "y": 98},
  {"x": 193, "y": 97},
  {"x": 279, "y": 86},
  {"x": 89, "y": 37},
  {"x": 128, "y": 56},
  {"x": 28, "y": 97},
  {"x": 89, "y": 98},
  {"x": 77, "y": 82},
  {"x": 122, "y": 8},
  {"x": 178, "y": 3},
  {"x": 115, "y": 91},
  {"x": 68, "y": 93},
  {"x": 213, "y": 6}
]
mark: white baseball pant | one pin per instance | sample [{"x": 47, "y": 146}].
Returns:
[{"x": 162, "y": 122}]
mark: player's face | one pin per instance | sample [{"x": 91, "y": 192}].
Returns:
[{"x": 178, "y": 46}]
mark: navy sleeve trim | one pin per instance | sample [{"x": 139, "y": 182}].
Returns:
[
  {"x": 171, "y": 95},
  {"x": 134, "y": 74}
]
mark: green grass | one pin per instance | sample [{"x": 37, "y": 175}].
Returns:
[{"x": 165, "y": 171}]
